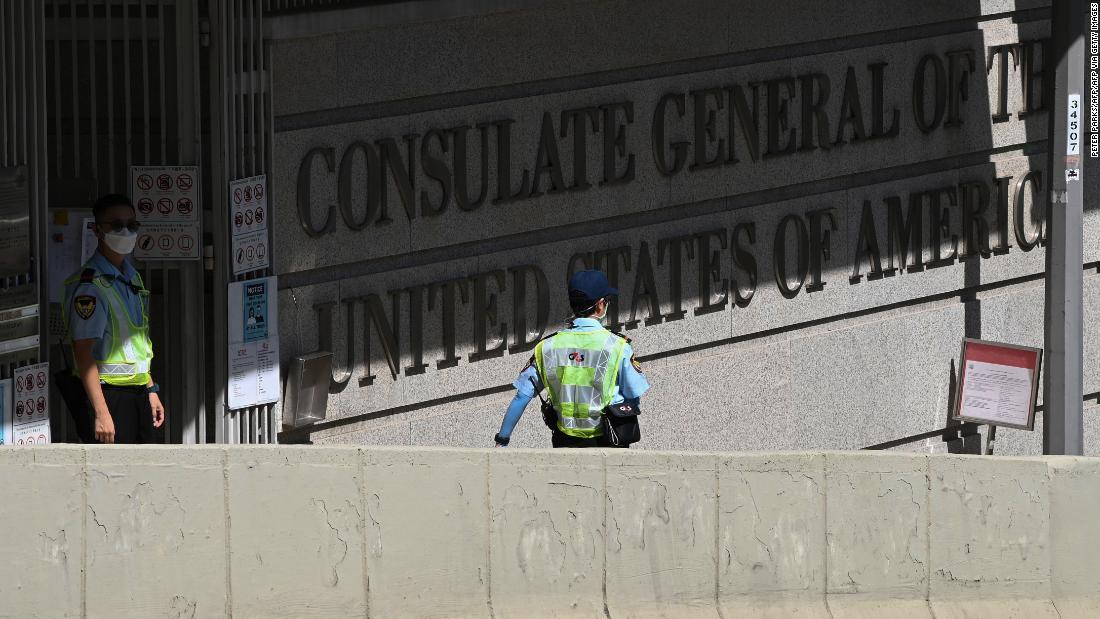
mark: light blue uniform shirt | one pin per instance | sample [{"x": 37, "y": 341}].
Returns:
[
  {"x": 97, "y": 326},
  {"x": 632, "y": 384}
]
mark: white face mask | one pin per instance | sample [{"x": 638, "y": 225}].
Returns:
[{"x": 121, "y": 242}]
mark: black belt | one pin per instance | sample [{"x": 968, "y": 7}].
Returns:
[{"x": 133, "y": 388}]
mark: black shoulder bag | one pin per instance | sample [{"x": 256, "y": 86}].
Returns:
[{"x": 619, "y": 424}]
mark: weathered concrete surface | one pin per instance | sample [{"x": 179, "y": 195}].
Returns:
[
  {"x": 771, "y": 525},
  {"x": 990, "y": 538},
  {"x": 877, "y": 536},
  {"x": 661, "y": 535},
  {"x": 546, "y": 533},
  {"x": 41, "y": 548},
  {"x": 299, "y": 510},
  {"x": 1075, "y": 546},
  {"x": 427, "y": 524},
  {"x": 155, "y": 533},
  {"x": 426, "y": 532}
]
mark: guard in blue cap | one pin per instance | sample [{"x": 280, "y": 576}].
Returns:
[{"x": 590, "y": 375}]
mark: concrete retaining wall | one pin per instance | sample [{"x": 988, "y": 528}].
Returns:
[{"x": 328, "y": 531}]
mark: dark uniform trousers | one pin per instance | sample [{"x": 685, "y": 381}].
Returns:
[
  {"x": 130, "y": 412},
  {"x": 560, "y": 439}
]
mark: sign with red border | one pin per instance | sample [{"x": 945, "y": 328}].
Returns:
[{"x": 998, "y": 384}]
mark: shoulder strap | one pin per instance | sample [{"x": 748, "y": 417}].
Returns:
[{"x": 87, "y": 276}]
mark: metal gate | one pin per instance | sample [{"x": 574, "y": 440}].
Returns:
[
  {"x": 22, "y": 182},
  {"x": 122, "y": 89},
  {"x": 240, "y": 104}
]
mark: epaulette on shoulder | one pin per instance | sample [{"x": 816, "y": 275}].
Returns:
[
  {"x": 87, "y": 276},
  {"x": 628, "y": 340}
]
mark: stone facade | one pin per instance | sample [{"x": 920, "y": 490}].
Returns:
[{"x": 805, "y": 210}]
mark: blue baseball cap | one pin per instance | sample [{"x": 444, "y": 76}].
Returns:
[{"x": 590, "y": 286}]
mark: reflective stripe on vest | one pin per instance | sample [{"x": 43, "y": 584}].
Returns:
[
  {"x": 580, "y": 370},
  {"x": 129, "y": 350},
  {"x": 131, "y": 353}
]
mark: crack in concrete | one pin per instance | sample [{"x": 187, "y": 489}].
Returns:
[
  {"x": 336, "y": 532},
  {"x": 95, "y": 518}
]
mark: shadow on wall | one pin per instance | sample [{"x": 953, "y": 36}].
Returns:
[{"x": 823, "y": 230}]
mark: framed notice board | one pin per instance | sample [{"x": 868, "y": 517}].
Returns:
[{"x": 998, "y": 384}]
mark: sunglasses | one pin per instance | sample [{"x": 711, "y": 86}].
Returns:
[{"x": 119, "y": 225}]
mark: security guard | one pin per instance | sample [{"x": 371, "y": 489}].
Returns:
[
  {"x": 107, "y": 319},
  {"x": 572, "y": 364}
]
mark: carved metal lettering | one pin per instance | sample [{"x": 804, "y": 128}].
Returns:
[
  {"x": 710, "y": 272},
  {"x": 744, "y": 260},
  {"x": 1034, "y": 180},
  {"x": 822, "y": 225},
  {"x": 779, "y": 117},
  {"x": 675, "y": 246},
  {"x": 939, "y": 93},
  {"x": 547, "y": 159},
  {"x": 577, "y": 118},
  {"x": 939, "y": 225},
  {"x": 706, "y": 130},
  {"x": 447, "y": 303},
  {"x": 867, "y": 247},
  {"x": 462, "y": 196},
  {"x": 975, "y": 229},
  {"x": 645, "y": 288},
  {"x": 523, "y": 338},
  {"x": 815, "y": 93},
  {"x": 436, "y": 169},
  {"x": 374, "y": 180},
  {"x": 660, "y": 148},
  {"x": 749, "y": 121},
  {"x": 802, "y": 251},
  {"x": 851, "y": 111},
  {"x": 486, "y": 314},
  {"x": 305, "y": 179},
  {"x": 614, "y": 143}
]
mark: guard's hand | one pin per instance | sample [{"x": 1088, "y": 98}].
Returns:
[
  {"x": 501, "y": 441},
  {"x": 104, "y": 427},
  {"x": 158, "y": 410}
]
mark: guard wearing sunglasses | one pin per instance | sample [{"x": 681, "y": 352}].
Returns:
[{"x": 107, "y": 319}]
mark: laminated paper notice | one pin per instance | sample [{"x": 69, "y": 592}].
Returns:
[
  {"x": 998, "y": 384},
  {"x": 998, "y": 393},
  {"x": 253, "y": 343}
]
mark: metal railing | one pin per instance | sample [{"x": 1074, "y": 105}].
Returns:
[
  {"x": 241, "y": 115},
  {"x": 23, "y": 166}
]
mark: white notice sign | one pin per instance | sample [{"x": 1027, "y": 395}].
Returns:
[
  {"x": 253, "y": 343},
  {"x": 168, "y": 206},
  {"x": 998, "y": 384},
  {"x": 248, "y": 215},
  {"x": 31, "y": 405}
]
